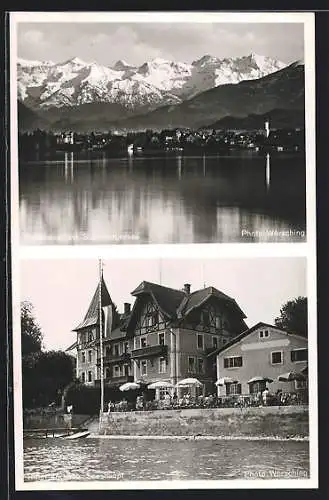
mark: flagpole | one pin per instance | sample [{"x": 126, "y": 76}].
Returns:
[{"x": 101, "y": 338}]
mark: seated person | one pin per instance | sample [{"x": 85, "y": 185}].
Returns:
[{"x": 167, "y": 400}]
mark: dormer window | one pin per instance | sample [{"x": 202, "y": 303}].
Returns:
[{"x": 264, "y": 334}]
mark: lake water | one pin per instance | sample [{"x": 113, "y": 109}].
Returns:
[
  {"x": 175, "y": 199},
  {"x": 130, "y": 460}
]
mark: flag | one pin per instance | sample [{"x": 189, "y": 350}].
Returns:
[{"x": 108, "y": 319}]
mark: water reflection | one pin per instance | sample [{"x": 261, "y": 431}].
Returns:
[
  {"x": 162, "y": 200},
  {"x": 135, "y": 460},
  {"x": 268, "y": 171},
  {"x": 69, "y": 167}
]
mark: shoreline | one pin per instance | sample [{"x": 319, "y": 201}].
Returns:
[{"x": 199, "y": 438}]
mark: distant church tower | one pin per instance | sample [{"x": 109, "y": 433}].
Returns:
[{"x": 267, "y": 128}]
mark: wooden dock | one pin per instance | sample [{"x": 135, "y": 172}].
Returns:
[{"x": 53, "y": 432}]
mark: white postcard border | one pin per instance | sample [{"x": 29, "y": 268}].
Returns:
[{"x": 239, "y": 250}]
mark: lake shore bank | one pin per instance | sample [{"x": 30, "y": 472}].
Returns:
[
  {"x": 277, "y": 422},
  {"x": 200, "y": 438}
]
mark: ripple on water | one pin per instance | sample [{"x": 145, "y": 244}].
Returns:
[{"x": 96, "y": 459}]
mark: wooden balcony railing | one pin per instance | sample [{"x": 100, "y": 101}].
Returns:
[
  {"x": 115, "y": 358},
  {"x": 113, "y": 381},
  {"x": 148, "y": 351}
]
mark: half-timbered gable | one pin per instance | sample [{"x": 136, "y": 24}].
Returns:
[
  {"x": 211, "y": 311},
  {"x": 150, "y": 318}
]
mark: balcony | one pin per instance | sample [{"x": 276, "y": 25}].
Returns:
[
  {"x": 115, "y": 358},
  {"x": 114, "y": 381},
  {"x": 149, "y": 351}
]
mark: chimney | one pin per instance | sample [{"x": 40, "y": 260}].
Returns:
[
  {"x": 187, "y": 288},
  {"x": 126, "y": 308}
]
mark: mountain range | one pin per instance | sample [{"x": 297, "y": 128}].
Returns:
[{"x": 158, "y": 94}]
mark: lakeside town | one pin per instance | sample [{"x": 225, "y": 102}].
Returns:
[{"x": 178, "y": 140}]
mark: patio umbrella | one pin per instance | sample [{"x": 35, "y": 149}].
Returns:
[
  {"x": 225, "y": 380},
  {"x": 161, "y": 384},
  {"x": 187, "y": 382},
  {"x": 128, "y": 386},
  {"x": 259, "y": 379},
  {"x": 289, "y": 376}
]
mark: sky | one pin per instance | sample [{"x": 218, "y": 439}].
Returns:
[
  {"x": 106, "y": 43},
  {"x": 61, "y": 289}
]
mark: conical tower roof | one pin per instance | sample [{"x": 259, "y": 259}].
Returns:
[{"x": 92, "y": 316}]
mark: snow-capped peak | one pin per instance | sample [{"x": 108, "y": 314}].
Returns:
[
  {"x": 122, "y": 65},
  {"x": 158, "y": 61},
  {"x": 74, "y": 61},
  {"x": 258, "y": 59},
  {"x": 156, "y": 82},
  {"x": 29, "y": 64},
  {"x": 299, "y": 62},
  {"x": 206, "y": 59},
  {"x": 265, "y": 63}
]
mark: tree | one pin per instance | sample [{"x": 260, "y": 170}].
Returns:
[
  {"x": 30, "y": 330},
  {"x": 45, "y": 376},
  {"x": 293, "y": 316}
]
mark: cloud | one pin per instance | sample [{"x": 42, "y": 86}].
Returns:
[
  {"x": 99, "y": 39},
  {"x": 136, "y": 43},
  {"x": 33, "y": 37}
]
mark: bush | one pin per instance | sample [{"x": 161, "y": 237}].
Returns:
[{"x": 86, "y": 400}]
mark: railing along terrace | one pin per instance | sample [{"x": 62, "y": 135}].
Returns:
[{"x": 230, "y": 401}]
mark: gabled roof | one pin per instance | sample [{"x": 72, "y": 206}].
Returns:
[
  {"x": 177, "y": 304},
  {"x": 167, "y": 299},
  {"x": 197, "y": 298},
  {"x": 244, "y": 334},
  {"x": 92, "y": 316}
]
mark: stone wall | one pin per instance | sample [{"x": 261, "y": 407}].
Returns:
[
  {"x": 275, "y": 421},
  {"x": 52, "y": 421}
]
